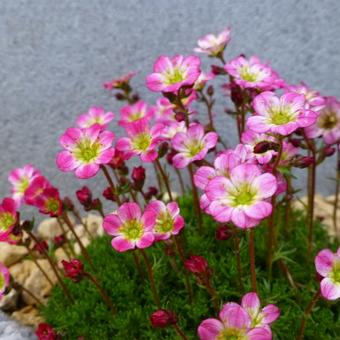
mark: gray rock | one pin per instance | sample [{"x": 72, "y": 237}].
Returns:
[{"x": 10, "y": 330}]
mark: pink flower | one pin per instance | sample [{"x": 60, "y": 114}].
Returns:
[
  {"x": 192, "y": 145},
  {"x": 281, "y": 115},
  {"x": 134, "y": 112},
  {"x": 85, "y": 150},
  {"x": 314, "y": 101},
  {"x": 234, "y": 323},
  {"x": 327, "y": 123},
  {"x": 129, "y": 228},
  {"x": 49, "y": 202},
  {"x": 8, "y": 218},
  {"x": 4, "y": 279},
  {"x": 213, "y": 45},
  {"x": 259, "y": 317},
  {"x": 141, "y": 140},
  {"x": 21, "y": 178},
  {"x": 327, "y": 264},
  {"x": 164, "y": 111},
  {"x": 252, "y": 74},
  {"x": 95, "y": 115},
  {"x": 242, "y": 198},
  {"x": 170, "y": 74},
  {"x": 251, "y": 139},
  {"x": 166, "y": 219},
  {"x": 119, "y": 82},
  {"x": 36, "y": 188},
  {"x": 170, "y": 129}
]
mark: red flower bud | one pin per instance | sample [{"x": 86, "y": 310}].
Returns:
[
  {"x": 59, "y": 240},
  {"x": 328, "y": 151},
  {"x": 117, "y": 160},
  {"x": 210, "y": 90},
  {"x": 265, "y": 146},
  {"x": 223, "y": 233},
  {"x": 68, "y": 204},
  {"x": 73, "y": 269},
  {"x": 296, "y": 142},
  {"x": 303, "y": 161},
  {"x": 138, "y": 174},
  {"x": 163, "y": 149},
  {"x": 152, "y": 192},
  {"x": 170, "y": 156},
  {"x": 196, "y": 264},
  {"x": 180, "y": 116},
  {"x": 84, "y": 196},
  {"x": 109, "y": 195},
  {"x": 163, "y": 318},
  {"x": 217, "y": 70},
  {"x": 45, "y": 332},
  {"x": 41, "y": 247}
]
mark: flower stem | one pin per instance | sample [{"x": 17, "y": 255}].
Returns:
[
  {"x": 102, "y": 292},
  {"x": 137, "y": 264},
  {"x": 151, "y": 278},
  {"x": 180, "y": 180},
  {"x": 238, "y": 262},
  {"x": 53, "y": 267},
  {"x": 196, "y": 199},
  {"x": 84, "y": 224},
  {"x": 81, "y": 245},
  {"x": 212, "y": 291},
  {"x": 182, "y": 258},
  {"x": 165, "y": 178},
  {"x": 209, "y": 105},
  {"x": 306, "y": 314},
  {"x": 18, "y": 286},
  {"x": 61, "y": 225},
  {"x": 180, "y": 332},
  {"x": 336, "y": 197},
  {"x": 112, "y": 186},
  {"x": 252, "y": 260}
]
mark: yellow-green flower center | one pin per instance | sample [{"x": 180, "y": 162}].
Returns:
[
  {"x": 280, "y": 116},
  {"x": 194, "y": 148},
  {"x": 135, "y": 116},
  {"x": 335, "y": 272},
  {"x": 6, "y": 221},
  {"x": 2, "y": 280},
  {"x": 164, "y": 223},
  {"x": 247, "y": 74},
  {"x": 52, "y": 205},
  {"x": 231, "y": 334},
  {"x": 174, "y": 76},
  {"x": 141, "y": 142},
  {"x": 86, "y": 151},
  {"x": 132, "y": 230},
  {"x": 243, "y": 195},
  {"x": 328, "y": 121},
  {"x": 23, "y": 185}
]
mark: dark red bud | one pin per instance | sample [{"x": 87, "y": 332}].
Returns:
[
  {"x": 41, "y": 247},
  {"x": 303, "y": 161},
  {"x": 296, "y": 142},
  {"x": 68, "y": 204},
  {"x": 45, "y": 332},
  {"x": 196, "y": 264},
  {"x": 109, "y": 195},
  {"x": 163, "y": 149},
  {"x": 217, "y": 70},
  {"x": 163, "y": 318},
  {"x": 328, "y": 151},
  {"x": 120, "y": 96},
  {"x": 265, "y": 146},
  {"x": 210, "y": 90},
  {"x": 170, "y": 156},
  {"x": 180, "y": 116},
  {"x": 73, "y": 269},
  {"x": 84, "y": 196},
  {"x": 152, "y": 192},
  {"x": 223, "y": 233},
  {"x": 59, "y": 240}
]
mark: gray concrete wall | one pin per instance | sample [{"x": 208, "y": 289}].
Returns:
[{"x": 54, "y": 56}]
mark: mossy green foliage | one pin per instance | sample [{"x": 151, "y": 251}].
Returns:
[{"x": 89, "y": 316}]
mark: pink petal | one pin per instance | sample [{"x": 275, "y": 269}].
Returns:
[
  {"x": 259, "y": 333},
  {"x": 329, "y": 289},
  {"x": 270, "y": 313},
  {"x": 266, "y": 185},
  {"x": 264, "y": 101},
  {"x": 220, "y": 212},
  {"x": 121, "y": 244},
  {"x": 70, "y": 137},
  {"x": 106, "y": 138},
  {"x": 123, "y": 144},
  {"x": 217, "y": 188},
  {"x": 295, "y": 101},
  {"x": 210, "y": 140},
  {"x": 149, "y": 219},
  {"x": 156, "y": 207},
  {"x": 203, "y": 175},
  {"x": 251, "y": 303},
  {"x": 87, "y": 170},
  {"x": 258, "y": 210},
  {"x": 155, "y": 82},
  {"x": 129, "y": 211},
  {"x": 173, "y": 209},
  {"x": 257, "y": 124},
  {"x": 209, "y": 329},
  {"x": 285, "y": 129},
  {"x": 162, "y": 64},
  {"x": 234, "y": 316},
  {"x": 111, "y": 224},
  {"x": 146, "y": 240},
  {"x": 307, "y": 118},
  {"x": 178, "y": 224},
  {"x": 244, "y": 173},
  {"x": 149, "y": 156},
  {"x": 196, "y": 132},
  {"x": 324, "y": 262},
  {"x": 241, "y": 220},
  {"x": 179, "y": 141},
  {"x": 66, "y": 162},
  {"x": 9, "y": 205},
  {"x": 180, "y": 161},
  {"x": 105, "y": 156}
]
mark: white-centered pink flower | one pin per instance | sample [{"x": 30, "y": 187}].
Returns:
[
  {"x": 282, "y": 115},
  {"x": 213, "y": 45},
  {"x": 327, "y": 123},
  {"x": 251, "y": 139},
  {"x": 327, "y": 265},
  {"x": 259, "y": 316},
  {"x": 95, "y": 115},
  {"x": 20, "y": 179},
  {"x": 8, "y": 218},
  {"x": 129, "y": 227},
  {"x": 251, "y": 73},
  {"x": 234, "y": 323},
  {"x": 134, "y": 112},
  {"x": 166, "y": 219},
  {"x": 171, "y": 73},
  {"x": 170, "y": 129},
  {"x": 85, "y": 150},
  {"x": 192, "y": 145},
  {"x": 4, "y": 279},
  {"x": 242, "y": 198},
  {"x": 141, "y": 140}
]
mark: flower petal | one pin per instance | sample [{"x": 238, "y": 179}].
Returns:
[
  {"x": 270, "y": 313},
  {"x": 209, "y": 329},
  {"x": 234, "y": 316},
  {"x": 121, "y": 244},
  {"x": 324, "y": 261},
  {"x": 66, "y": 162},
  {"x": 111, "y": 224},
  {"x": 129, "y": 211},
  {"x": 251, "y": 303},
  {"x": 146, "y": 240},
  {"x": 329, "y": 289},
  {"x": 258, "y": 210},
  {"x": 87, "y": 170}
]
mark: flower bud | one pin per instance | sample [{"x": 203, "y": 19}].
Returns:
[
  {"x": 328, "y": 151},
  {"x": 180, "y": 116},
  {"x": 135, "y": 97},
  {"x": 109, "y": 195},
  {"x": 152, "y": 192},
  {"x": 296, "y": 142},
  {"x": 170, "y": 156},
  {"x": 223, "y": 233},
  {"x": 45, "y": 332},
  {"x": 68, "y": 204},
  {"x": 73, "y": 269},
  {"x": 163, "y": 318},
  {"x": 138, "y": 177},
  {"x": 163, "y": 149},
  {"x": 303, "y": 162},
  {"x": 210, "y": 90},
  {"x": 84, "y": 196},
  {"x": 59, "y": 240},
  {"x": 96, "y": 205},
  {"x": 41, "y": 247},
  {"x": 265, "y": 146},
  {"x": 217, "y": 70},
  {"x": 120, "y": 96},
  {"x": 196, "y": 264}
]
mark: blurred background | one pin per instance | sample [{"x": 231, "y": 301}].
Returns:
[{"x": 55, "y": 55}]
